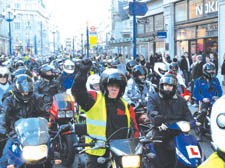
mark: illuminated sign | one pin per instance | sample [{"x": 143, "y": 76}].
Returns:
[{"x": 210, "y": 7}]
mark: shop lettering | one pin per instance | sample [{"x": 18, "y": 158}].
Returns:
[{"x": 211, "y": 6}]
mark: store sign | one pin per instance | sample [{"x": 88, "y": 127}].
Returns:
[
  {"x": 210, "y": 7},
  {"x": 161, "y": 35}
]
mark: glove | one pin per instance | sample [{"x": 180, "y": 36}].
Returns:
[
  {"x": 85, "y": 65},
  {"x": 163, "y": 127},
  {"x": 158, "y": 120}
]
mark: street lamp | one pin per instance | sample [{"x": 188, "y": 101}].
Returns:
[
  {"x": 54, "y": 40},
  {"x": 9, "y": 16}
]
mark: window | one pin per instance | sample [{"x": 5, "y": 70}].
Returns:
[
  {"x": 187, "y": 33},
  {"x": 17, "y": 5},
  {"x": 17, "y": 25},
  {"x": 181, "y": 11},
  {"x": 158, "y": 22},
  {"x": 140, "y": 28},
  {"x": 150, "y": 25},
  {"x": 195, "y": 9}
]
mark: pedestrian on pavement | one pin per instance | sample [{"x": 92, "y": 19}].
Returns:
[{"x": 223, "y": 69}]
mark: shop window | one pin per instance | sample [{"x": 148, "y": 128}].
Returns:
[
  {"x": 195, "y": 9},
  {"x": 200, "y": 46},
  {"x": 150, "y": 25},
  {"x": 201, "y": 31},
  {"x": 159, "y": 22},
  {"x": 159, "y": 47},
  {"x": 187, "y": 33},
  {"x": 181, "y": 11},
  {"x": 140, "y": 28},
  {"x": 182, "y": 47}
]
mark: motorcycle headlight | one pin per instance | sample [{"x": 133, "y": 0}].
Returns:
[
  {"x": 69, "y": 114},
  {"x": 35, "y": 153},
  {"x": 131, "y": 161},
  {"x": 61, "y": 114}
]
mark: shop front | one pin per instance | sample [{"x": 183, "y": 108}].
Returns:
[{"x": 196, "y": 27}]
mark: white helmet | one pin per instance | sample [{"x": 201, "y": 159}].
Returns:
[
  {"x": 68, "y": 66},
  {"x": 218, "y": 124},
  {"x": 4, "y": 72},
  {"x": 93, "y": 83},
  {"x": 160, "y": 68}
]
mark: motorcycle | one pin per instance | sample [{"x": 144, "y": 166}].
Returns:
[
  {"x": 124, "y": 153},
  {"x": 29, "y": 144},
  {"x": 187, "y": 150},
  {"x": 60, "y": 123}
]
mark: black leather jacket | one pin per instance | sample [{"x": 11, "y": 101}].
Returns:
[
  {"x": 14, "y": 110},
  {"x": 46, "y": 87},
  {"x": 172, "y": 110}
]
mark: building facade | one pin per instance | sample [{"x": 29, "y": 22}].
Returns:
[{"x": 29, "y": 30}]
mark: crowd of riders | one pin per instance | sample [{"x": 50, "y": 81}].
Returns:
[{"x": 115, "y": 92}]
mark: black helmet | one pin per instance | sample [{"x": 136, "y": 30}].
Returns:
[
  {"x": 23, "y": 84},
  {"x": 137, "y": 71},
  {"x": 209, "y": 70},
  {"x": 130, "y": 65},
  {"x": 168, "y": 79},
  {"x": 43, "y": 72},
  {"x": 173, "y": 68},
  {"x": 110, "y": 76},
  {"x": 19, "y": 63}
]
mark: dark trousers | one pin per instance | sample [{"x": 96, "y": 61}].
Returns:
[{"x": 165, "y": 150}]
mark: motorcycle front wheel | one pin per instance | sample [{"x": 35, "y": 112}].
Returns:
[{"x": 67, "y": 152}]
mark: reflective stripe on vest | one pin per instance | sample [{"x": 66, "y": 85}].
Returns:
[{"x": 96, "y": 123}]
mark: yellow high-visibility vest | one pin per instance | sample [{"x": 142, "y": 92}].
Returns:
[
  {"x": 96, "y": 123},
  {"x": 214, "y": 161}
]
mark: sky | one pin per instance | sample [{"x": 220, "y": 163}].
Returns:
[{"x": 72, "y": 15}]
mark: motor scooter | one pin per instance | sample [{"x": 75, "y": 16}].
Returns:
[{"x": 186, "y": 149}]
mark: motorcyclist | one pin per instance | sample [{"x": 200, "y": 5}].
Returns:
[
  {"x": 207, "y": 87},
  {"x": 5, "y": 87},
  {"x": 46, "y": 86},
  {"x": 165, "y": 108},
  {"x": 217, "y": 118},
  {"x": 66, "y": 78},
  {"x": 93, "y": 83},
  {"x": 138, "y": 89},
  {"x": 5, "y": 84},
  {"x": 160, "y": 69},
  {"x": 21, "y": 104},
  {"x": 129, "y": 67},
  {"x": 106, "y": 108}
]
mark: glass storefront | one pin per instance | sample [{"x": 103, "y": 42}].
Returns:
[{"x": 193, "y": 9}]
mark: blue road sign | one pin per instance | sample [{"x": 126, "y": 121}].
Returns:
[{"x": 141, "y": 8}]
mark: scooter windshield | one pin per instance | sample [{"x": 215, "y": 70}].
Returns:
[
  {"x": 124, "y": 147},
  {"x": 32, "y": 131},
  {"x": 63, "y": 101}
]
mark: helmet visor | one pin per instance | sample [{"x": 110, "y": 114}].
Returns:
[
  {"x": 221, "y": 121},
  {"x": 24, "y": 85},
  {"x": 69, "y": 67},
  {"x": 169, "y": 81}
]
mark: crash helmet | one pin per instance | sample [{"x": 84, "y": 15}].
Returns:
[
  {"x": 4, "y": 73},
  {"x": 93, "y": 83},
  {"x": 112, "y": 76},
  {"x": 160, "y": 68},
  {"x": 169, "y": 79},
  {"x": 130, "y": 65},
  {"x": 139, "y": 70},
  {"x": 68, "y": 66},
  {"x": 209, "y": 70},
  {"x": 217, "y": 124},
  {"x": 46, "y": 72},
  {"x": 19, "y": 64},
  {"x": 173, "y": 68},
  {"x": 23, "y": 88}
]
